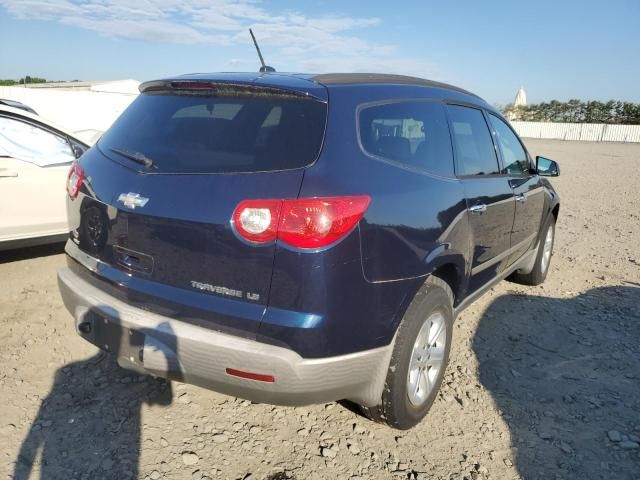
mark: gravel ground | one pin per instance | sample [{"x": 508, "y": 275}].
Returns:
[{"x": 544, "y": 382}]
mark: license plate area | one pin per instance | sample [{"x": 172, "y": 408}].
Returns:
[{"x": 115, "y": 338}]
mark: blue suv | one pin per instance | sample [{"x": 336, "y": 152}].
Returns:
[{"x": 296, "y": 239}]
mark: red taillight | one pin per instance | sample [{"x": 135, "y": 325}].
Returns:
[
  {"x": 257, "y": 220},
  {"x": 74, "y": 181},
  {"x": 318, "y": 222},
  {"x": 306, "y": 223}
]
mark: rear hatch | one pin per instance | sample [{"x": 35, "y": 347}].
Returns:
[{"x": 163, "y": 182}]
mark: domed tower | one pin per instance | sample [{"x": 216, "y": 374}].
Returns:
[
  {"x": 512, "y": 111},
  {"x": 521, "y": 98}
]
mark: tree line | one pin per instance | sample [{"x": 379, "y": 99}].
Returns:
[
  {"x": 28, "y": 79},
  {"x": 577, "y": 111}
]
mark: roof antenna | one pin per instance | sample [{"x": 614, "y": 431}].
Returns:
[{"x": 263, "y": 68}]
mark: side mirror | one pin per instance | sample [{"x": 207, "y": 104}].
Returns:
[{"x": 546, "y": 167}]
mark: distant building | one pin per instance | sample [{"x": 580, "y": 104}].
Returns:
[
  {"x": 512, "y": 112},
  {"x": 521, "y": 98},
  {"x": 127, "y": 87},
  {"x": 89, "y": 107}
]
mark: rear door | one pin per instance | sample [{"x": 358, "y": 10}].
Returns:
[
  {"x": 34, "y": 163},
  {"x": 165, "y": 179},
  {"x": 526, "y": 185},
  {"x": 489, "y": 197}
]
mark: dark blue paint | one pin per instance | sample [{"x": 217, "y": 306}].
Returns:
[
  {"x": 343, "y": 299},
  {"x": 292, "y": 319}
]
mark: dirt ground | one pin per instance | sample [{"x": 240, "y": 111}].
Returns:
[{"x": 543, "y": 383}]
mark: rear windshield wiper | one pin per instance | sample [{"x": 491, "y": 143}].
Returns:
[{"x": 137, "y": 157}]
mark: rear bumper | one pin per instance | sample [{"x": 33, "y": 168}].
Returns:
[{"x": 159, "y": 345}]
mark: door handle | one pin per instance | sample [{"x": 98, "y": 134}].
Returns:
[
  {"x": 521, "y": 197},
  {"x": 478, "y": 209},
  {"x": 8, "y": 173}
]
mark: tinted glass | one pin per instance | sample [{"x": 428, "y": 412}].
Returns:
[
  {"x": 412, "y": 133},
  {"x": 219, "y": 134},
  {"x": 475, "y": 152},
  {"x": 513, "y": 155},
  {"x": 24, "y": 141}
]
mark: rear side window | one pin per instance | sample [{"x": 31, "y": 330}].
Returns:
[
  {"x": 475, "y": 152},
  {"x": 183, "y": 133},
  {"x": 513, "y": 155},
  {"x": 410, "y": 133}
]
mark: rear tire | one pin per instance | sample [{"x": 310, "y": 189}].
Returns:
[
  {"x": 419, "y": 359},
  {"x": 543, "y": 257}
]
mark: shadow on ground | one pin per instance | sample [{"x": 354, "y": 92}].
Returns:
[
  {"x": 88, "y": 426},
  {"x": 26, "y": 253},
  {"x": 565, "y": 373}
]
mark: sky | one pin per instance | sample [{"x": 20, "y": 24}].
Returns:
[{"x": 557, "y": 49}]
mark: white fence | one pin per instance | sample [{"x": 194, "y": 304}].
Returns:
[
  {"x": 589, "y": 132},
  {"x": 74, "y": 110}
]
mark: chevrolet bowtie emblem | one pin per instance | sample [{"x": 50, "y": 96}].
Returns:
[{"x": 132, "y": 200}]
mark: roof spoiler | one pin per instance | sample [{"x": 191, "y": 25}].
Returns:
[{"x": 221, "y": 88}]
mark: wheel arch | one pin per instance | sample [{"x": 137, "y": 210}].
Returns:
[{"x": 450, "y": 272}]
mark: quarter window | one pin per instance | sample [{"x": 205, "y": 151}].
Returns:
[
  {"x": 411, "y": 133},
  {"x": 513, "y": 155},
  {"x": 475, "y": 152}
]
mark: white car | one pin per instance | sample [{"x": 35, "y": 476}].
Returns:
[{"x": 35, "y": 157}]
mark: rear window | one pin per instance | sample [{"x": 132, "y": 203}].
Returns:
[{"x": 218, "y": 134}]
